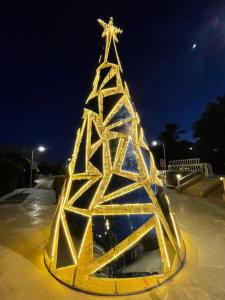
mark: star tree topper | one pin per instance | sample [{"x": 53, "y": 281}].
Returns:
[{"x": 110, "y": 33}]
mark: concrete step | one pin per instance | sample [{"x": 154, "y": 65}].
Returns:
[{"x": 202, "y": 186}]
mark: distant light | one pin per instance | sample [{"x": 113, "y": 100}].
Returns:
[
  {"x": 178, "y": 176},
  {"x": 154, "y": 143},
  {"x": 41, "y": 148},
  {"x": 69, "y": 159},
  {"x": 194, "y": 46},
  {"x": 190, "y": 148},
  {"x": 107, "y": 224}
]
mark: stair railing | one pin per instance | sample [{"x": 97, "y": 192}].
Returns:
[{"x": 191, "y": 164}]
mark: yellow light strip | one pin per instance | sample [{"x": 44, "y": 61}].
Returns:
[
  {"x": 167, "y": 229},
  {"x": 164, "y": 243},
  {"x": 119, "y": 123},
  {"x": 80, "y": 211},
  {"x": 123, "y": 191},
  {"x": 67, "y": 190},
  {"x": 123, "y": 209},
  {"x": 122, "y": 246},
  {"x": 84, "y": 237},
  {"x": 54, "y": 236},
  {"x": 119, "y": 154},
  {"x": 68, "y": 238},
  {"x": 175, "y": 229},
  {"x": 143, "y": 162},
  {"x": 86, "y": 186},
  {"x": 167, "y": 232},
  {"x": 115, "y": 109},
  {"x": 110, "y": 75}
]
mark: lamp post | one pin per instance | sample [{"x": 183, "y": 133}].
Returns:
[
  {"x": 68, "y": 162},
  {"x": 40, "y": 149},
  {"x": 155, "y": 143}
]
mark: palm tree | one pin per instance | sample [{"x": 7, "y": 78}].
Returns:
[
  {"x": 209, "y": 129},
  {"x": 171, "y": 133}
]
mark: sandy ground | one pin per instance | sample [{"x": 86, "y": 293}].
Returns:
[{"x": 24, "y": 230}]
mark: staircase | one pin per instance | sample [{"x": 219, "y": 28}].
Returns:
[{"x": 203, "y": 186}]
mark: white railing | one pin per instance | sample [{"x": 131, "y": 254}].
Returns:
[{"x": 191, "y": 164}]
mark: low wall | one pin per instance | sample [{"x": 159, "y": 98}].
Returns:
[
  {"x": 9, "y": 173},
  {"x": 223, "y": 179},
  {"x": 171, "y": 176},
  {"x": 57, "y": 185}
]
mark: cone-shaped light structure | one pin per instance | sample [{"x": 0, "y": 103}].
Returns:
[{"x": 113, "y": 231}]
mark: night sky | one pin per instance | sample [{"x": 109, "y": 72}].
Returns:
[{"x": 49, "y": 53}]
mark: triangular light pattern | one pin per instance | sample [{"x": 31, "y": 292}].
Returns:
[
  {"x": 113, "y": 231},
  {"x": 121, "y": 115}
]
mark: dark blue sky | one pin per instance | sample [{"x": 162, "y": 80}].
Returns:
[{"x": 49, "y": 53}]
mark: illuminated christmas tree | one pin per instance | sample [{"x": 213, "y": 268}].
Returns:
[{"x": 113, "y": 231}]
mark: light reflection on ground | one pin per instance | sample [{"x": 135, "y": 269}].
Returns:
[{"x": 24, "y": 230}]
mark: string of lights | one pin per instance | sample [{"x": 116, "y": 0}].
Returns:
[{"x": 113, "y": 231}]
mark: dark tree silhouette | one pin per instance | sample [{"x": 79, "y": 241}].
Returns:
[
  {"x": 174, "y": 147},
  {"x": 210, "y": 128},
  {"x": 209, "y": 131},
  {"x": 171, "y": 133}
]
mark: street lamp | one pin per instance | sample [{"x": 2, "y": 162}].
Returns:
[
  {"x": 40, "y": 149},
  {"x": 155, "y": 143},
  {"x": 68, "y": 162}
]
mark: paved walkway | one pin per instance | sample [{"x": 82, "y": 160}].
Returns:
[{"x": 24, "y": 229}]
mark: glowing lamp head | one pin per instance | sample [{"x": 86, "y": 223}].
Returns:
[
  {"x": 154, "y": 143},
  {"x": 178, "y": 176},
  {"x": 107, "y": 225},
  {"x": 41, "y": 148}
]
